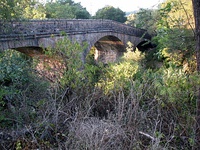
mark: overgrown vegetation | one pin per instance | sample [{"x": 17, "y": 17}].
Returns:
[
  {"x": 145, "y": 101},
  {"x": 127, "y": 106}
]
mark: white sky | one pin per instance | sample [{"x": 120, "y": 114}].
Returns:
[{"x": 125, "y": 5}]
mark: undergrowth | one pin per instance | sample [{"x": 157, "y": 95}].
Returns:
[{"x": 120, "y": 106}]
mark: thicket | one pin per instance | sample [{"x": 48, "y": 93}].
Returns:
[
  {"x": 144, "y": 101},
  {"x": 120, "y": 106}
]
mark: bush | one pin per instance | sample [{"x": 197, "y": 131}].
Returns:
[
  {"x": 120, "y": 106},
  {"x": 20, "y": 89}
]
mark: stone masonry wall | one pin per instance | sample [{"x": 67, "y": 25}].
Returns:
[{"x": 43, "y": 28}]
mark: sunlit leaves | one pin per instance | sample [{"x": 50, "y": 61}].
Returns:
[
  {"x": 9, "y": 9},
  {"x": 21, "y": 9},
  {"x": 118, "y": 75},
  {"x": 177, "y": 13},
  {"x": 175, "y": 37}
]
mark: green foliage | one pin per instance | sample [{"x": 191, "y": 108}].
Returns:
[
  {"x": 92, "y": 68},
  {"x": 74, "y": 74},
  {"x": 19, "y": 88},
  {"x": 109, "y": 12},
  {"x": 18, "y": 145},
  {"x": 159, "y": 103},
  {"x": 175, "y": 37},
  {"x": 56, "y": 10},
  {"x": 173, "y": 88},
  {"x": 119, "y": 76},
  {"x": 66, "y": 10},
  {"x": 34, "y": 11},
  {"x": 176, "y": 14},
  {"x": 8, "y": 9},
  {"x": 69, "y": 55},
  {"x": 147, "y": 19},
  {"x": 13, "y": 74},
  {"x": 130, "y": 55},
  {"x": 70, "y": 2},
  {"x": 170, "y": 91},
  {"x": 82, "y": 14},
  {"x": 172, "y": 27},
  {"x": 21, "y": 9},
  {"x": 90, "y": 56},
  {"x": 175, "y": 82},
  {"x": 175, "y": 45},
  {"x": 11, "y": 67}
]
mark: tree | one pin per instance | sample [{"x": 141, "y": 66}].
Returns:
[
  {"x": 21, "y": 9},
  {"x": 66, "y": 9},
  {"x": 34, "y": 11},
  {"x": 61, "y": 11},
  {"x": 8, "y": 9},
  {"x": 109, "y": 12},
  {"x": 175, "y": 36},
  {"x": 147, "y": 19},
  {"x": 196, "y": 8},
  {"x": 177, "y": 13},
  {"x": 80, "y": 12}
]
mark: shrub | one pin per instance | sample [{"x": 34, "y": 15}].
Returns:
[{"x": 20, "y": 89}]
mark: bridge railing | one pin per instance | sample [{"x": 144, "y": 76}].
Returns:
[{"x": 38, "y": 28}]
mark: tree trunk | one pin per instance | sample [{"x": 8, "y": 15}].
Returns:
[{"x": 196, "y": 8}]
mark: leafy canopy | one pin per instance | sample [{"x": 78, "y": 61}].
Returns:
[
  {"x": 21, "y": 9},
  {"x": 66, "y": 9},
  {"x": 25, "y": 9},
  {"x": 109, "y": 12}
]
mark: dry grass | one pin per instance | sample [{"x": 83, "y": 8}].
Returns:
[{"x": 134, "y": 120}]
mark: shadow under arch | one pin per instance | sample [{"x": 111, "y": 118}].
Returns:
[
  {"x": 48, "y": 68},
  {"x": 108, "y": 48},
  {"x": 31, "y": 51},
  {"x": 145, "y": 45}
]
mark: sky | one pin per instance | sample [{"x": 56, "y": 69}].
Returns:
[{"x": 125, "y": 5}]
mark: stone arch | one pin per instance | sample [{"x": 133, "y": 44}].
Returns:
[
  {"x": 108, "y": 47},
  {"x": 32, "y": 51},
  {"x": 93, "y": 38}
]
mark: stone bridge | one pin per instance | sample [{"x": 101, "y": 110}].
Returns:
[{"x": 108, "y": 37}]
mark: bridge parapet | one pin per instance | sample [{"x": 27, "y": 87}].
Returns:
[{"x": 43, "y": 28}]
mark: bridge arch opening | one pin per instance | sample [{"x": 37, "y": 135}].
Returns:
[
  {"x": 108, "y": 49},
  {"x": 44, "y": 66},
  {"x": 32, "y": 51},
  {"x": 145, "y": 45}
]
